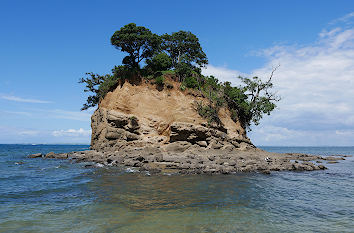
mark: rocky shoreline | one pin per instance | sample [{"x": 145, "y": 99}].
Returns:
[{"x": 193, "y": 160}]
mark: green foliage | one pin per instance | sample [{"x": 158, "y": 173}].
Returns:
[
  {"x": 184, "y": 47},
  {"x": 247, "y": 103},
  {"x": 182, "y": 87},
  {"x": 261, "y": 100},
  {"x": 159, "y": 62},
  {"x": 170, "y": 72},
  {"x": 159, "y": 80},
  {"x": 210, "y": 113},
  {"x": 191, "y": 82},
  {"x": 150, "y": 77},
  {"x": 184, "y": 70},
  {"x": 109, "y": 84},
  {"x": 238, "y": 104},
  {"x": 212, "y": 89},
  {"x": 99, "y": 85},
  {"x": 139, "y": 42},
  {"x": 123, "y": 72}
]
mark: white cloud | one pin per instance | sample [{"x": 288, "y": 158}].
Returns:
[
  {"x": 222, "y": 73},
  {"x": 23, "y": 100},
  {"x": 28, "y": 132},
  {"x": 32, "y": 135},
  {"x": 345, "y": 132},
  {"x": 316, "y": 83},
  {"x": 50, "y": 114},
  {"x": 18, "y": 113},
  {"x": 71, "y": 133},
  {"x": 71, "y": 115},
  {"x": 84, "y": 116},
  {"x": 345, "y": 19}
]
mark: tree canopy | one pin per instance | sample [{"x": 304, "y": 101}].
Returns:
[
  {"x": 184, "y": 47},
  {"x": 139, "y": 42}
]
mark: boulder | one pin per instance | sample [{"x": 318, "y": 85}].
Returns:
[{"x": 50, "y": 155}]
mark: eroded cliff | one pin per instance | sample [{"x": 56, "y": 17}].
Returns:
[{"x": 141, "y": 115}]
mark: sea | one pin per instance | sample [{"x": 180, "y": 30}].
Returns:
[{"x": 49, "y": 195}]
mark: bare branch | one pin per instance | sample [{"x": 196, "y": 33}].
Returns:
[{"x": 272, "y": 73}]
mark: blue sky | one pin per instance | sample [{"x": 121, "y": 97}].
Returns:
[{"x": 46, "y": 46}]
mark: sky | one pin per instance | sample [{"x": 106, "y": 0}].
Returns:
[{"x": 47, "y": 46}]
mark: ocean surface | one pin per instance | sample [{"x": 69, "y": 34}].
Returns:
[{"x": 48, "y": 195}]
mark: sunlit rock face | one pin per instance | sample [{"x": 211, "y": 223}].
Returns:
[{"x": 140, "y": 116}]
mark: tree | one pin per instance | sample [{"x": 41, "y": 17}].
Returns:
[
  {"x": 238, "y": 104},
  {"x": 93, "y": 84},
  {"x": 100, "y": 85},
  {"x": 139, "y": 42},
  {"x": 184, "y": 47},
  {"x": 261, "y": 100},
  {"x": 183, "y": 70},
  {"x": 159, "y": 62}
]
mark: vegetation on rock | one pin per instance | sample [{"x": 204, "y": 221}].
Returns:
[
  {"x": 180, "y": 56},
  {"x": 139, "y": 42}
]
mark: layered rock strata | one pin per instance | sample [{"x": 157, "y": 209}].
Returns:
[{"x": 113, "y": 131}]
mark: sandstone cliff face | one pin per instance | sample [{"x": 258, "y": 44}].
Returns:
[{"x": 142, "y": 116}]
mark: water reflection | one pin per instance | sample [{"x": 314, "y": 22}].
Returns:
[{"x": 141, "y": 192}]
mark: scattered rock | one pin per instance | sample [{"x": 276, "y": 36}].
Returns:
[
  {"x": 61, "y": 156},
  {"x": 50, "y": 155},
  {"x": 192, "y": 160},
  {"x": 331, "y": 158},
  {"x": 202, "y": 143},
  {"x": 332, "y": 162},
  {"x": 38, "y": 155}
]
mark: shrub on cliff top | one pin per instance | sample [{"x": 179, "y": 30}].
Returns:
[
  {"x": 191, "y": 82},
  {"x": 93, "y": 84},
  {"x": 159, "y": 62},
  {"x": 159, "y": 80}
]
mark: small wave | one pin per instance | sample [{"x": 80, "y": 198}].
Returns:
[
  {"x": 130, "y": 170},
  {"x": 99, "y": 165}
]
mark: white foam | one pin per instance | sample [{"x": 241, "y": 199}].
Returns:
[
  {"x": 99, "y": 165},
  {"x": 130, "y": 170}
]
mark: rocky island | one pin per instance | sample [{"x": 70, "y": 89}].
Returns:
[
  {"x": 160, "y": 131},
  {"x": 168, "y": 117}
]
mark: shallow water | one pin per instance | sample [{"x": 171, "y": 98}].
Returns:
[{"x": 47, "y": 195}]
